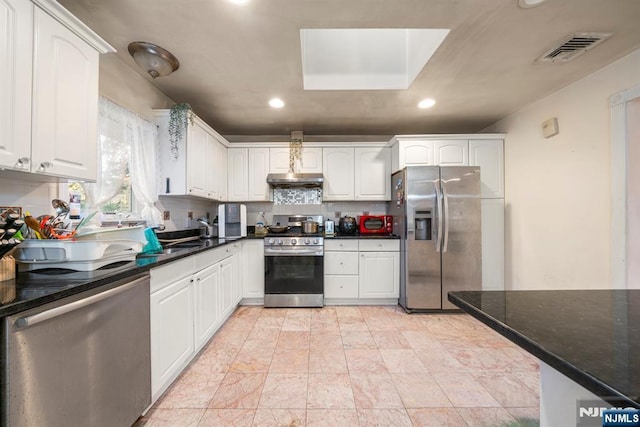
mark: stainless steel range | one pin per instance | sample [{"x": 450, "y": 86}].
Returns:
[{"x": 294, "y": 264}]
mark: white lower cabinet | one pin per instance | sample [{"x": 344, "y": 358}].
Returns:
[
  {"x": 492, "y": 244},
  {"x": 190, "y": 299},
  {"x": 253, "y": 271},
  {"x": 361, "y": 269}
]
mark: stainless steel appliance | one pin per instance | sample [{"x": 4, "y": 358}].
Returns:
[
  {"x": 436, "y": 213},
  {"x": 83, "y": 360},
  {"x": 294, "y": 264},
  {"x": 232, "y": 220}
]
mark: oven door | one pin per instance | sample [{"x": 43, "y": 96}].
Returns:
[{"x": 293, "y": 274}]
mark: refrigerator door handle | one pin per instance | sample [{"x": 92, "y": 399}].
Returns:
[
  {"x": 440, "y": 216},
  {"x": 445, "y": 196}
]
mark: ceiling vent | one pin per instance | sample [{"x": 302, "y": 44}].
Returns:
[{"x": 575, "y": 45}]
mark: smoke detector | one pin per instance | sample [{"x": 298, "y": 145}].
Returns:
[{"x": 574, "y": 46}]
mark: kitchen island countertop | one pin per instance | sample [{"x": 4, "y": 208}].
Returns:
[
  {"x": 35, "y": 288},
  {"x": 590, "y": 336}
]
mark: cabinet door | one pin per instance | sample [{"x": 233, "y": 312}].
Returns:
[
  {"x": 196, "y": 161},
  {"x": 341, "y": 263},
  {"x": 253, "y": 271},
  {"x": 279, "y": 160},
  {"x": 65, "y": 102},
  {"x": 489, "y": 155},
  {"x": 373, "y": 173},
  {"x": 236, "y": 259},
  {"x": 16, "y": 40},
  {"x": 340, "y": 286},
  {"x": 221, "y": 169},
  {"x": 492, "y": 244},
  {"x": 238, "y": 184},
  {"x": 451, "y": 152},
  {"x": 338, "y": 171},
  {"x": 211, "y": 168},
  {"x": 415, "y": 153},
  {"x": 310, "y": 162},
  {"x": 172, "y": 341},
  {"x": 258, "y": 171},
  {"x": 207, "y": 310},
  {"x": 379, "y": 275},
  {"x": 226, "y": 287}
]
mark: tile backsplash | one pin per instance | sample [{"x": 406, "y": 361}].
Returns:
[
  {"x": 33, "y": 197},
  {"x": 297, "y": 196}
]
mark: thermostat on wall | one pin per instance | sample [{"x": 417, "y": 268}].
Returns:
[{"x": 550, "y": 127}]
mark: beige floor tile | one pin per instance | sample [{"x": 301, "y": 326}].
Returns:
[
  {"x": 274, "y": 312},
  {"x": 269, "y": 322},
  {"x": 436, "y": 417},
  {"x": 327, "y": 361},
  {"x": 463, "y": 390},
  {"x": 299, "y": 312},
  {"x": 296, "y": 324},
  {"x": 325, "y": 340},
  {"x": 402, "y": 361},
  {"x": 293, "y": 339},
  {"x": 290, "y": 361},
  {"x": 375, "y": 391},
  {"x": 384, "y": 417},
  {"x": 323, "y": 312},
  {"x": 420, "y": 391},
  {"x": 262, "y": 336},
  {"x": 508, "y": 390},
  {"x": 530, "y": 378},
  {"x": 331, "y": 417},
  {"x": 438, "y": 359},
  {"x": 280, "y": 418},
  {"x": 375, "y": 323},
  {"x": 227, "y": 417},
  {"x": 252, "y": 360},
  {"x": 192, "y": 390},
  {"x": 248, "y": 311},
  {"x": 347, "y": 311},
  {"x": 483, "y": 359},
  {"x": 321, "y": 324},
  {"x": 420, "y": 339},
  {"x": 239, "y": 390},
  {"x": 284, "y": 391},
  {"x": 174, "y": 418},
  {"x": 214, "y": 360},
  {"x": 358, "y": 340},
  {"x": 528, "y": 417},
  {"x": 482, "y": 417},
  {"x": 352, "y": 324},
  {"x": 389, "y": 339},
  {"x": 330, "y": 391},
  {"x": 365, "y": 361}
]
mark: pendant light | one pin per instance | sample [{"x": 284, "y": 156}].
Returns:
[{"x": 156, "y": 61}]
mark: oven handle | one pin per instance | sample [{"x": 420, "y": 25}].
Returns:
[{"x": 297, "y": 252}]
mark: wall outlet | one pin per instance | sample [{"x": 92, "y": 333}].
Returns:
[
  {"x": 337, "y": 214},
  {"x": 189, "y": 215},
  {"x": 166, "y": 215}
]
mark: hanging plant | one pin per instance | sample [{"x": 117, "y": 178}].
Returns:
[{"x": 178, "y": 116}]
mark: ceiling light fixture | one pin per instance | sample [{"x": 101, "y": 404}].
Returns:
[
  {"x": 239, "y": 1},
  {"x": 427, "y": 103},
  {"x": 526, "y": 4},
  {"x": 276, "y": 103},
  {"x": 156, "y": 61}
]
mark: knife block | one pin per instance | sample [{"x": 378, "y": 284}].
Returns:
[{"x": 7, "y": 268}]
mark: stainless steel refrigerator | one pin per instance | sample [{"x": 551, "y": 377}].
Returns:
[{"x": 436, "y": 212}]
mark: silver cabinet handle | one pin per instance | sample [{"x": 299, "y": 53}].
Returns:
[
  {"x": 22, "y": 162},
  {"x": 44, "y": 166},
  {"x": 76, "y": 305}
]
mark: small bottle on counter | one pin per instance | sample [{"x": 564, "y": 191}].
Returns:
[{"x": 261, "y": 223}]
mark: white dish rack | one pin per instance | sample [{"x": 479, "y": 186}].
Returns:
[{"x": 74, "y": 255}]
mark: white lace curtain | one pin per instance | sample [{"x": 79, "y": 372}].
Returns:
[{"x": 124, "y": 138}]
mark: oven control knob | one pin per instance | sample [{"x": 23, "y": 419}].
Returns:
[
  {"x": 271, "y": 241},
  {"x": 315, "y": 241},
  {"x": 307, "y": 241},
  {"x": 279, "y": 242},
  {"x": 294, "y": 241}
]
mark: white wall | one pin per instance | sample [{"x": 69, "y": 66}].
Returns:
[{"x": 558, "y": 190}]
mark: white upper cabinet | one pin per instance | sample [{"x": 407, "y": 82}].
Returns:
[
  {"x": 489, "y": 155},
  {"x": 451, "y": 152},
  {"x": 201, "y": 160},
  {"x": 238, "y": 172},
  {"x": 338, "y": 171},
  {"x": 49, "y": 105},
  {"x": 258, "y": 170},
  {"x": 372, "y": 173},
  {"x": 310, "y": 162},
  {"x": 408, "y": 153},
  {"x": 16, "y": 38}
]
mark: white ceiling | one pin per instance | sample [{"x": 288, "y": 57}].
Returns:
[{"x": 234, "y": 58}]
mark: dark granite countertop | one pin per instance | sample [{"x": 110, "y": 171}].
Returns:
[
  {"x": 35, "y": 288},
  {"x": 339, "y": 236},
  {"x": 591, "y": 336}
]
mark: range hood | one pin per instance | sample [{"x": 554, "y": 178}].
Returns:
[{"x": 295, "y": 180}]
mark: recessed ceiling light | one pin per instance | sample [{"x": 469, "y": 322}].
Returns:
[
  {"x": 427, "y": 103},
  {"x": 239, "y": 1},
  {"x": 276, "y": 103},
  {"x": 527, "y": 4}
]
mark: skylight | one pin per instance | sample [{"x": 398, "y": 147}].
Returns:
[{"x": 366, "y": 58}]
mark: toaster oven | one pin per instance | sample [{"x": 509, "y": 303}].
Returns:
[{"x": 375, "y": 224}]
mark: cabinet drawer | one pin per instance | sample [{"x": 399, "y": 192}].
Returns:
[
  {"x": 170, "y": 273},
  {"x": 341, "y": 245},
  {"x": 340, "y": 286},
  {"x": 379, "y": 245},
  {"x": 340, "y": 263}
]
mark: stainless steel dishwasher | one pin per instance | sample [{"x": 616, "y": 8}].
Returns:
[{"x": 82, "y": 360}]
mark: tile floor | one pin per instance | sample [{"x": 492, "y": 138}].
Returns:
[{"x": 350, "y": 366}]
